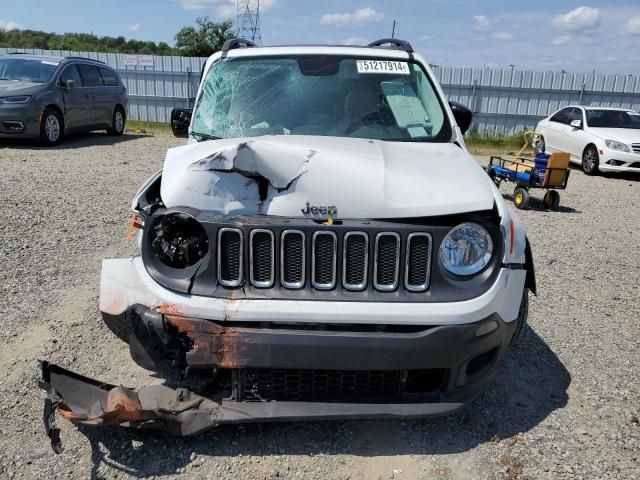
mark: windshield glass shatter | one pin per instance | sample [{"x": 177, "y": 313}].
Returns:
[{"x": 319, "y": 95}]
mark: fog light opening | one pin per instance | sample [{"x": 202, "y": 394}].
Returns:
[{"x": 481, "y": 362}]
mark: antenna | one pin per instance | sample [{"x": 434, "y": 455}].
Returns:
[{"x": 248, "y": 20}]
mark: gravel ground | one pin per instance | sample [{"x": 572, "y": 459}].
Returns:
[{"x": 564, "y": 405}]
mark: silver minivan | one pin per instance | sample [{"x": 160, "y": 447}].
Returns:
[{"x": 46, "y": 97}]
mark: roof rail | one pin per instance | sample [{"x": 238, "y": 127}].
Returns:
[
  {"x": 394, "y": 43},
  {"x": 72, "y": 57},
  {"x": 236, "y": 43}
]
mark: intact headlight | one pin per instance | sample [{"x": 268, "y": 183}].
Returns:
[
  {"x": 16, "y": 100},
  {"x": 179, "y": 240},
  {"x": 619, "y": 146},
  {"x": 466, "y": 249}
]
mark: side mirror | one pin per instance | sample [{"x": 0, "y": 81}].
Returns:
[
  {"x": 180, "y": 121},
  {"x": 576, "y": 123},
  {"x": 69, "y": 84},
  {"x": 462, "y": 115}
]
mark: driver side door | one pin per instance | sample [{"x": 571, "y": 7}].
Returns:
[{"x": 77, "y": 100}]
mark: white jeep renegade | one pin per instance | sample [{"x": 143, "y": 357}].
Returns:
[{"x": 323, "y": 247}]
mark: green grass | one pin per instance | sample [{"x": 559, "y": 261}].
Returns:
[
  {"x": 494, "y": 140},
  {"x": 151, "y": 128},
  {"x": 495, "y": 143}
]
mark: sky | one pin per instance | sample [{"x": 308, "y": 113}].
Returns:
[{"x": 575, "y": 36}]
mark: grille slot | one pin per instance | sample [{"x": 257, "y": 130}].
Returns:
[
  {"x": 337, "y": 385},
  {"x": 418, "y": 262},
  {"x": 323, "y": 260},
  {"x": 355, "y": 261},
  {"x": 262, "y": 262},
  {"x": 230, "y": 251},
  {"x": 292, "y": 259},
  {"x": 386, "y": 265},
  {"x": 635, "y": 147}
]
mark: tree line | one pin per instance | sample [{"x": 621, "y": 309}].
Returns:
[{"x": 201, "y": 40}]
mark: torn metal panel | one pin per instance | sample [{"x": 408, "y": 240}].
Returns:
[{"x": 278, "y": 164}]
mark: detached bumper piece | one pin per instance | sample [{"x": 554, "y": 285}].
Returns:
[{"x": 181, "y": 412}]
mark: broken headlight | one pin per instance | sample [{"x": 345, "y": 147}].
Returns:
[
  {"x": 466, "y": 249},
  {"x": 179, "y": 240}
]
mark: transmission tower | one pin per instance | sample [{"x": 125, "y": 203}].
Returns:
[{"x": 248, "y": 20}]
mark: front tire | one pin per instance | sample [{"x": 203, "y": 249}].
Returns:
[
  {"x": 523, "y": 313},
  {"x": 590, "y": 160},
  {"x": 51, "y": 128},
  {"x": 117, "y": 123}
]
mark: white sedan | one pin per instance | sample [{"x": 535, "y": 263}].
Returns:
[{"x": 598, "y": 138}]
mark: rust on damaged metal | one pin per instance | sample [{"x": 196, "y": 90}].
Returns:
[{"x": 211, "y": 343}]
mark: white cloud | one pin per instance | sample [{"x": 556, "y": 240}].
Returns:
[
  {"x": 582, "y": 18},
  {"x": 354, "y": 41},
  {"x": 225, "y": 8},
  {"x": 8, "y": 25},
  {"x": 481, "y": 22},
  {"x": 200, "y": 4},
  {"x": 633, "y": 25},
  {"x": 561, "y": 40},
  {"x": 426, "y": 38},
  {"x": 134, "y": 27},
  {"x": 502, "y": 36},
  {"x": 362, "y": 15}
]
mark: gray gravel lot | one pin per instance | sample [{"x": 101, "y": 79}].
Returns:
[{"x": 565, "y": 404}]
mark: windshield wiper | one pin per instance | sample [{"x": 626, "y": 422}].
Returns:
[{"x": 205, "y": 136}]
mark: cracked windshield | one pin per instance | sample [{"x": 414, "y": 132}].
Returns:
[{"x": 319, "y": 95}]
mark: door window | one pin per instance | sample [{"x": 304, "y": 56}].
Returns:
[
  {"x": 90, "y": 76},
  {"x": 109, "y": 77},
  {"x": 562, "y": 116},
  {"x": 576, "y": 114},
  {"x": 71, "y": 73}
]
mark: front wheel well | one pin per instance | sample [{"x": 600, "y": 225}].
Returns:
[
  {"x": 56, "y": 108},
  {"x": 590, "y": 145}
]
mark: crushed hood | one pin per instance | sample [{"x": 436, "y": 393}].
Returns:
[{"x": 356, "y": 178}]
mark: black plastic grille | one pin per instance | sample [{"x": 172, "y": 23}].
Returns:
[
  {"x": 418, "y": 262},
  {"x": 230, "y": 256},
  {"x": 293, "y": 259},
  {"x": 345, "y": 260},
  {"x": 387, "y": 255},
  {"x": 355, "y": 261},
  {"x": 336, "y": 385},
  {"x": 324, "y": 260},
  {"x": 262, "y": 262}
]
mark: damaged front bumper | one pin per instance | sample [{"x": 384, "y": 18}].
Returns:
[{"x": 181, "y": 412}]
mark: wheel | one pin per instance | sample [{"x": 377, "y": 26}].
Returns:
[
  {"x": 118, "y": 122},
  {"x": 540, "y": 146},
  {"x": 551, "y": 199},
  {"x": 520, "y": 198},
  {"x": 523, "y": 313},
  {"x": 120, "y": 325},
  {"x": 590, "y": 160},
  {"x": 494, "y": 177},
  {"x": 51, "y": 128}
]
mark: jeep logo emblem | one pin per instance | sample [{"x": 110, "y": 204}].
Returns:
[{"x": 330, "y": 210}]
